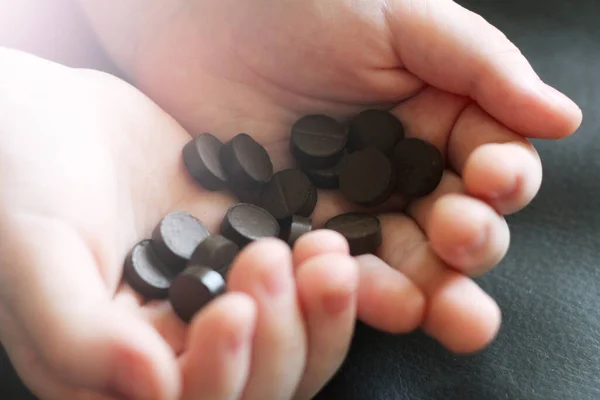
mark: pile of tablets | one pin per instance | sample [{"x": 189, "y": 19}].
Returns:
[{"x": 368, "y": 160}]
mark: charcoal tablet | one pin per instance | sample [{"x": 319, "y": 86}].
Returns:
[
  {"x": 311, "y": 204},
  {"x": 193, "y": 289},
  {"x": 294, "y": 227},
  {"x": 289, "y": 192},
  {"x": 248, "y": 195},
  {"x": 215, "y": 252},
  {"x": 367, "y": 177},
  {"x": 245, "y": 162},
  {"x": 244, "y": 223},
  {"x": 361, "y": 230},
  {"x": 419, "y": 166},
  {"x": 201, "y": 159},
  {"x": 318, "y": 141},
  {"x": 144, "y": 272},
  {"x": 176, "y": 237},
  {"x": 375, "y": 128},
  {"x": 325, "y": 178}
]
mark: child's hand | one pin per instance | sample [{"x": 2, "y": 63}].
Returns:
[
  {"x": 88, "y": 166},
  {"x": 254, "y": 66}
]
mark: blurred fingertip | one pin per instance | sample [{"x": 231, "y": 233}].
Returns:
[
  {"x": 508, "y": 176},
  {"x": 462, "y": 317},
  {"x": 317, "y": 242},
  {"x": 334, "y": 277},
  {"x": 140, "y": 374},
  {"x": 260, "y": 255},
  {"x": 239, "y": 312},
  {"x": 388, "y": 300},
  {"x": 565, "y": 106}
]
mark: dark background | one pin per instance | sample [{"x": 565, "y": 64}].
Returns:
[{"x": 549, "y": 284}]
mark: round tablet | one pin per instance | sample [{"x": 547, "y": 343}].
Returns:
[
  {"x": 248, "y": 195},
  {"x": 419, "y": 166},
  {"x": 361, "y": 230},
  {"x": 318, "y": 141},
  {"x": 367, "y": 177},
  {"x": 325, "y": 178},
  {"x": 201, "y": 159},
  {"x": 375, "y": 128},
  {"x": 244, "y": 223},
  {"x": 245, "y": 161},
  {"x": 144, "y": 272},
  {"x": 311, "y": 204},
  {"x": 294, "y": 227},
  {"x": 216, "y": 252},
  {"x": 289, "y": 192},
  {"x": 176, "y": 237},
  {"x": 193, "y": 289}
]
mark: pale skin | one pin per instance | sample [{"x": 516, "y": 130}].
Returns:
[{"x": 90, "y": 164}]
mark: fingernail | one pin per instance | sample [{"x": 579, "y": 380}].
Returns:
[
  {"x": 558, "y": 98},
  {"x": 129, "y": 385}
]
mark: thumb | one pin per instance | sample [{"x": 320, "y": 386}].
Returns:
[
  {"x": 51, "y": 284},
  {"x": 458, "y": 51}
]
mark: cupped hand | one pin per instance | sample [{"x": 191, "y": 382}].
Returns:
[
  {"x": 225, "y": 67},
  {"x": 89, "y": 166}
]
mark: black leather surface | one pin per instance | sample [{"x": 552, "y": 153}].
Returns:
[{"x": 549, "y": 285}]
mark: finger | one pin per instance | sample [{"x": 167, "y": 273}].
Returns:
[
  {"x": 163, "y": 319},
  {"x": 507, "y": 176},
  {"x": 497, "y": 164},
  {"x": 128, "y": 298},
  {"x": 478, "y": 238},
  {"x": 37, "y": 377},
  {"x": 327, "y": 286},
  {"x": 216, "y": 362},
  {"x": 465, "y": 232},
  {"x": 46, "y": 385},
  {"x": 319, "y": 242},
  {"x": 264, "y": 271},
  {"x": 507, "y": 179},
  {"x": 459, "y": 314},
  {"x": 430, "y": 116},
  {"x": 59, "y": 297},
  {"x": 457, "y": 50},
  {"x": 388, "y": 300}
]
